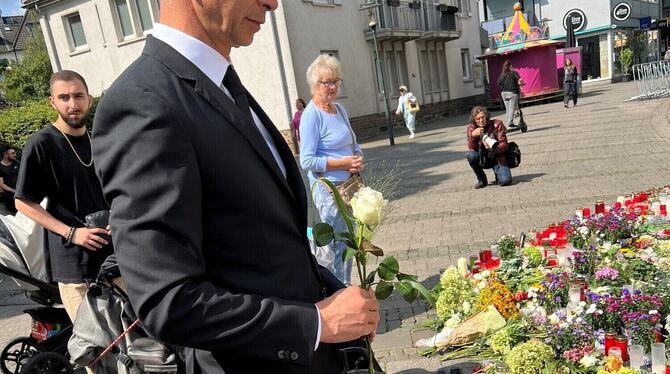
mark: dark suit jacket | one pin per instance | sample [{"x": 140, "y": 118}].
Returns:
[{"x": 210, "y": 236}]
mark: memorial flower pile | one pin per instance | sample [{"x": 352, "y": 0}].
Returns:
[{"x": 568, "y": 295}]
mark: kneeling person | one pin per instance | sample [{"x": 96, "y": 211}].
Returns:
[{"x": 487, "y": 143}]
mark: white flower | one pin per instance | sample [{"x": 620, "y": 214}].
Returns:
[
  {"x": 466, "y": 307},
  {"x": 486, "y": 274},
  {"x": 367, "y": 205},
  {"x": 584, "y": 230},
  {"x": 588, "y": 361},
  {"x": 652, "y": 312},
  {"x": 592, "y": 309}
]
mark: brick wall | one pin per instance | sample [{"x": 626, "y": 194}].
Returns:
[{"x": 374, "y": 125}]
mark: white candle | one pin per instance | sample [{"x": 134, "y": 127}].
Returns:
[{"x": 463, "y": 266}]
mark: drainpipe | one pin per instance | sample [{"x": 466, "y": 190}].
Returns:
[
  {"x": 48, "y": 34},
  {"x": 282, "y": 73}
]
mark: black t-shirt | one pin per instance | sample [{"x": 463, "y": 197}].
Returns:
[
  {"x": 50, "y": 168},
  {"x": 509, "y": 82},
  {"x": 10, "y": 173}
]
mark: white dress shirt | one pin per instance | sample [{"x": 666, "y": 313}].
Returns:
[{"x": 215, "y": 66}]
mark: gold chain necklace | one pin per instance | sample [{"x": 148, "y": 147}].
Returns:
[{"x": 75, "y": 152}]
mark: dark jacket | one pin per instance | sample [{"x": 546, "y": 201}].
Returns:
[
  {"x": 211, "y": 238},
  {"x": 509, "y": 82},
  {"x": 494, "y": 129}
]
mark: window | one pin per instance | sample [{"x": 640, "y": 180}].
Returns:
[
  {"x": 134, "y": 18},
  {"x": 144, "y": 12},
  {"x": 425, "y": 72},
  {"x": 336, "y": 54},
  {"x": 76, "y": 32},
  {"x": 325, "y": 2},
  {"x": 465, "y": 62},
  {"x": 123, "y": 12}
]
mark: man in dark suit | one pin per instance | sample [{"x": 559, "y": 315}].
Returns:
[{"x": 208, "y": 210}]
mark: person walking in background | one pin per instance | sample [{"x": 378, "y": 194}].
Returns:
[
  {"x": 569, "y": 83},
  {"x": 9, "y": 172},
  {"x": 487, "y": 143},
  {"x": 57, "y": 164},
  {"x": 510, "y": 83},
  {"x": 406, "y": 106},
  {"x": 299, "y": 106},
  {"x": 329, "y": 149}
]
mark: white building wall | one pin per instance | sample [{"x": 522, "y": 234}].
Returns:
[
  {"x": 597, "y": 14},
  {"x": 458, "y": 87}
]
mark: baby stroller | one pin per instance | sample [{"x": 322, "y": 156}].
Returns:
[{"x": 22, "y": 258}]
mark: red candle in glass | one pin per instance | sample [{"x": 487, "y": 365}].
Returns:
[
  {"x": 600, "y": 207},
  {"x": 628, "y": 203},
  {"x": 664, "y": 210},
  {"x": 586, "y": 212},
  {"x": 621, "y": 341},
  {"x": 617, "y": 205},
  {"x": 475, "y": 270},
  {"x": 485, "y": 256},
  {"x": 643, "y": 196},
  {"x": 610, "y": 341}
]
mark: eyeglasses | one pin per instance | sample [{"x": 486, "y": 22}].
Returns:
[{"x": 332, "y": 84}]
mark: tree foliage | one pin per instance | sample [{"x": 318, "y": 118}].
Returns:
[{"x": 28, "y": 78}]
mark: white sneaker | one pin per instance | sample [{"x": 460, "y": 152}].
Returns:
[{"x": 411, "y": 136}]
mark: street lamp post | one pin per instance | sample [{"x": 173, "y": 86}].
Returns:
[{"x": 372, "y": 23}]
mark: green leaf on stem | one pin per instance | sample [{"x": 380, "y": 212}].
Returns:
[
  {"x": 343, "y": 236},
  {"x": 348, "y": 253},
  {"x": 341, "y": 206},
  {"x": 427, "y": 295},
  {"x": 408, "y": 292},
  {"x": 388, "y": 268},
  {"x": 371, "y": 248},
  {"x": 370, "y": 279},
  {"x": 323, "y": 234},
  {"x": 383, "y": 290},
  {"x": 362, "y": 257},
  {"x": 403, "y": 276}
]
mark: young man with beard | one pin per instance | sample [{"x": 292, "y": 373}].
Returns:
[
  {"x": 9, "y": 172},
  {"x": 57, "y": 164}
]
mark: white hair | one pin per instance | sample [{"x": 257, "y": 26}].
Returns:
[{"x": 323, "y": 66}]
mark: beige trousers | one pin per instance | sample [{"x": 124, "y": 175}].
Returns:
[{"x": 72, "y": 294}]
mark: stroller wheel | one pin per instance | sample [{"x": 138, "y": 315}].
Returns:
[
  {"x": 16, "y": 354},
  {"x": 48, "y": 363}
]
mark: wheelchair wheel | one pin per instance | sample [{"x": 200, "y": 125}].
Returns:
[
  {"x": 48, "y": 363},
  {"x": 16, "y": 354}
]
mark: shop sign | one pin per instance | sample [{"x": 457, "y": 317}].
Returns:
[
  {"x": 645, "y": 23},
  {"x": 577, "y": 17},
  {"x": 621, "y": 11},
  {"x": 663, "y": 24}
]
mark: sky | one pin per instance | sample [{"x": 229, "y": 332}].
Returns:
[{"x": 11, "y": 7}]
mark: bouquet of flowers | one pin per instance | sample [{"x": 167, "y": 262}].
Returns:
[
  {"x": 495, "y": 293},
  {"x": 456, "y": 295},
  {"x": 584, "y": 262},
  {"x": 553, "y": 291},
  {"x": 532, "y": 357}
]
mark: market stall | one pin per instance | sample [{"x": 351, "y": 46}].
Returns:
[{"x": 533, "y": 57}]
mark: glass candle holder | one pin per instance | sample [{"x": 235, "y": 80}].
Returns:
[
  {"x": 657, "y": 358},
  {"x": 636, "y": 353},
  {"x": 578, "y": 212},
  {"x": 663, "y": 209},
  {"x": 485, "y": 256},
  {"x": 600, "y": 207},
  {"x": 586, "y": 212},
  {"x": 575, "y": 293},
  {"x": 610, "y": 340},
  {"x": 614, "y": 351},
  {"x": 628, "y": 287},
  {"x": 621, "y": 342},
  {"x": 617, "y": 205}
]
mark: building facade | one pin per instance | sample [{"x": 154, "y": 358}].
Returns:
[
  {"x": 14, "y": 32},
  {"x": 427, "y": 45},
  {"x": 603, "y": 28}
]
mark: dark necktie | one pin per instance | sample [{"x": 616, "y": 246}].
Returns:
[{"x": 232, "y": 82}]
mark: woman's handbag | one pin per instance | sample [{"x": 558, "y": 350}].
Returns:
[
  {"x": 349, "y": 187},
  {"x": 413, "y": 107},
  {"x": 513, "y": 155}
]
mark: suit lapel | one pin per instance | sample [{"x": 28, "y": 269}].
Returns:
[{"x": 215, "y": 96}]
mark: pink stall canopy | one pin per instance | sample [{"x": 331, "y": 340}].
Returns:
[{"x": 532, "y": 56}]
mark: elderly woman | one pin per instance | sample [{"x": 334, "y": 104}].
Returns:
[
  {"x": 328, "y": 148},
  {"x": 404, "y": 101}
]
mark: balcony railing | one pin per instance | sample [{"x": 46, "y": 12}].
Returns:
[{"x": 414, "y": 18}]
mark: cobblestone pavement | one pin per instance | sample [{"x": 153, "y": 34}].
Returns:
[{"x": 571, "y": 157}]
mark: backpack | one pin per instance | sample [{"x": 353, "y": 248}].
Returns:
[{"x": 513, "y": 155}]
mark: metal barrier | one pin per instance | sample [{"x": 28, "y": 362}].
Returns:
[{"x": 652, "y": 80}]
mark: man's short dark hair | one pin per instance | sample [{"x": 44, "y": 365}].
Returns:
[
  {"x": 4, "y": 149},
  {"x": 66, "y": 76}
]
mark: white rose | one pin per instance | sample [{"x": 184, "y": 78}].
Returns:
[
  {"x": 588, "y": 361},
  {"x": 367, "y": 205},
  {"x": 592, "y": 309},
  {"x": 554, "y": 320},
  {"x": 584, "y": 230},
  {"x": 652, "y": 312}
]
